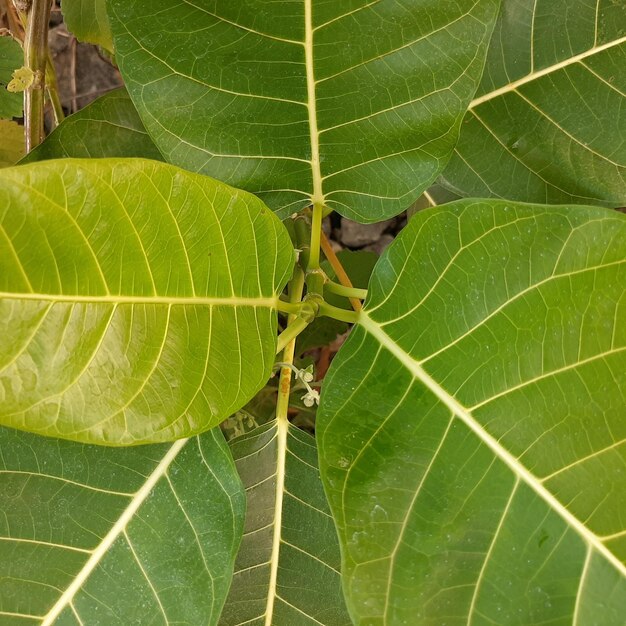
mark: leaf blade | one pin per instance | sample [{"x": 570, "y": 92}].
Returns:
[
  {"x": 547, "y": 124},
  {"x": 87, "y": 19},
  {"x": 104, "y": 504},
  {"x": 287, "y": 570},
  {"x": 108, "y": 127},
  {"x": 11, "y": 59},
  {"x": 469, "y": 419},
  {"x": 127, "y": 295},
  {"x": 340, "y": 132}
]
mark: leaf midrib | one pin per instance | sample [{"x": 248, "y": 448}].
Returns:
[
  {"x": 317, "y": 197},
  {"x": 234, "y": 301},
  {"x": 545, "y": 71},
  {"x": 116, "y": 530},
  {"x": 465, "y": 415}
]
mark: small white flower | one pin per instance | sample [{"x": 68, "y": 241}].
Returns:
[
  {"x": 311, "y": 397},
  {"x": 306, "y": 375}
]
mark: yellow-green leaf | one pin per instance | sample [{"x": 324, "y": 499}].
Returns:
[{"x": 137, "y": 301}]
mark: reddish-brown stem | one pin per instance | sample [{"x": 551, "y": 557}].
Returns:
[{"x": 335, "y": 263}]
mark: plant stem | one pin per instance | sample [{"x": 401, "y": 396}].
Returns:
[
  {"x": 342, "y": 276},
  {"x": 15, "y": 24},
  {"x": 53, "y": 91},
  {"x": 296, "y": 287},
  {"x": 36, "y": 58},
  {"x": 316, "y": 233},
  {"x": 348, "y": 292},
  {"x": 290, "y": 333}
]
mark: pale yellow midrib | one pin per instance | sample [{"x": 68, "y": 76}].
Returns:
[
  {"x": 545, "y": 71},
  {"x": 116, "y": 530},
  {"x": 282, "y": 428},
  {"x": 317, "y": 198},
  {"x": 165, "y": 300},
  {"x": 464, "y": 414}
]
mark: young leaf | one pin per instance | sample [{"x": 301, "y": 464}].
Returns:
[
  {"x": 94, "y": 535},
  {"x": 137, "y": 301},
  {"x": 354, "y": 105},
  {"x": 87, "y": 19},
  {"x": 287, "y": 570},
  {"x": 471, "y": 430},
  {"x": 548, "y": 123},
  {"x": 108, "y": 127}
]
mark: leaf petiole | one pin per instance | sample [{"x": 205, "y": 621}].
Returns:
[
  {"x": 293, "y": 308},
  {"x": 343, "y": 315},
  {"x": 342, "y": 290}
]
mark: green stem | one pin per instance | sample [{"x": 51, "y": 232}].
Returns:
[
  {"x": 36, "y": 58},
  {"x": 316, "y": 233},
  {"x": 302, "y": 239},
  {"x": 348, "y": 292},
  {"x": 343, "y": 315},
  {"x": 296, "y": 287},
  {"x": 290, "y": 333}
]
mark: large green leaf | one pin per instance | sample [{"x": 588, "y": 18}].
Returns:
[
  {"x": 87, "y": 19},
  {"x": 137, "y": 300},
  {"x": 549, "y": 122},
  {"x": 355, "y": 104},
  {"x": 287, "y": 570},
  {"x": 108, "y": 127},
  {"x": 93, "y": 535},
  {"x": 472, "y": 434}
]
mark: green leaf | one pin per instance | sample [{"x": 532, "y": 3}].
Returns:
[
  {"x": 352, "y": 104},
  {"x": 12, "y": 144},
  {"x": 549, "y": 120},
  {"x": 11, "y": 59},
  {"x": 87, "y": 19},
  {"x": 471, "y": 430},
  {"x": 93, "y": 535},
  {"x": 108, "y": 127},
  {"x": 287, "y": 569},
  {"x": 137, "y": 300}
]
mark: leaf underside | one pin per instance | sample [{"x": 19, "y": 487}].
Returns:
[
  {"x": 137, "y": 301},
  {"x": 94, "y": 535},
  {"x": 549, "y": 120},
  {"x": 288, "y": 575},
  {"x": 108, "y": 127},
  {"x": 472, "y": 435},
  {"x": 355, "y": 105}
]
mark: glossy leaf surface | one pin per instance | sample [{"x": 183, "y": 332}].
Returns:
[
  {"x": 108, "y": 127},
  {"x": 94, "y": 535},
  {"x": 352, "y": 104},
  {"x": 471, "y": 431},
  {"x": 287, "y": 570},
  {"x": 87, "y": 19},
  {"x": 137, "y": 300},
  {"x": 549, "y": 120}
]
